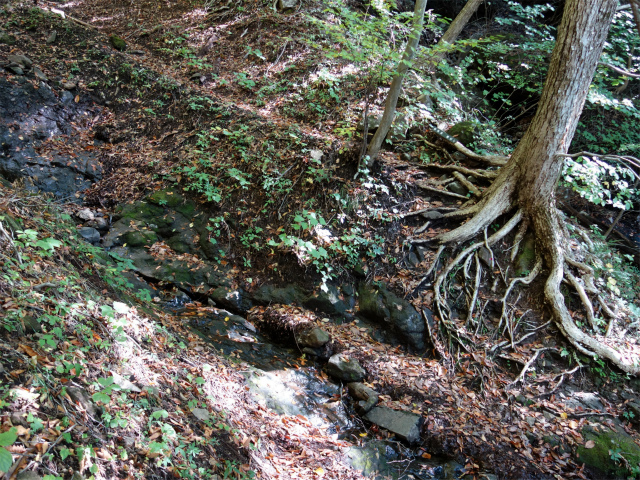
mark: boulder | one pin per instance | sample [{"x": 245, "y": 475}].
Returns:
[
  {"x": 464, "y": 132},
  {"x": 287, "y": 6},
  {"x": 90, "y": 234},
  {"x": 344, "y": 368},
  {"x": 598, "y": 447},
  {"x": 314, "y": 338},
  {"x": 405, "y": 425},
  {"x": 117, "y": 43},
  {"x": 383, "y": 306}
]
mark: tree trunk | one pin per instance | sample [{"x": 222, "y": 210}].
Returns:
[
  {"x": 396, "y": 84},
  {"x": 529, "y": 180},
  {"x": 451, "y": 35}
]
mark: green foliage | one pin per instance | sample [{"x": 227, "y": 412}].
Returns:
[
  {"x": 599, "y": 182},
  {"x": 6, "y": 440}
]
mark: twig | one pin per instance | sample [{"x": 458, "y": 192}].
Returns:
[
  {"x": 426, "y": 187},
  {"x": 527, "y": 365},
  {"x": 475, "y": 288}
]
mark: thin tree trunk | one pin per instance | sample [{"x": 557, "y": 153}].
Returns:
[
  {"x": 451, "y": 35},
  {"x": 396, "y": 84}
]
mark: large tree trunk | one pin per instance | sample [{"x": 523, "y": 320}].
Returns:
[
  {"x": 396, "y": 84},
  {"x": 528, "y": 182}
]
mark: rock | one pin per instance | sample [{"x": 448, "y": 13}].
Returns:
[
  {"x": 464, "y": 132},
  {"x": 316, "y": 155},
  {"x": 124, "y": 383},
  {"x": 289, "y": 295},
  {"x": 52, "y": 37},
  {"x": 81, "y": 397},
  {"x": 432, "y": 215},
  {"x": 31, "y": 325},
  {"x": 90, "y": 234},
  {"x": 328, "y": 301},
  {"x": 15, "y": 69},
  {"x": 28, "y": 475},
  {"x": 68, "y": 85},
  {"x": 85, "y": 214},
  {"x": 21, "y": 60},
  {"x": 373, "y": 122},
  {"x": 39, "y": 74},
  {"x": 287, "y": 6},
  {"x": 405, "y": 425},
  {"x": 314, "y": 338},
  {"x": 412, "y": 259},
  {"x": 344, "y": 368},
  {"x": 7, "y": 39},
  {"x": 383, "y": 306},
  {"x": 368, "y": 397},
  {"x": 484, "y": 254},
  {"x": 456, "y": 187},
  {"x": 201, "y": 414},
  {"x": 23, "y": 394},
  {"x": 100, "y": 223},
  {"x": 117, "y": 43},
  {"x": 602, "y": 442},
  {"x": 67, "y": 98}
]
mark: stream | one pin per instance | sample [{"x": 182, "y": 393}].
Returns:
[{"x": 282, "y": 381}]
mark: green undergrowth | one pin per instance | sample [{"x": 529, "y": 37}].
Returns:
[{"x": 88, "y": 380}]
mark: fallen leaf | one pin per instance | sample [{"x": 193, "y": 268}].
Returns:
[{"x": 590, "y": 444}]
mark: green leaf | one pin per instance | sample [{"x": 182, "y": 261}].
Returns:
[
  {"x": 8, "y": 438},
  {"x": 101, "y": 397},
  {"x": 49, "y": 244},
  {"x": 159, "y": 414},
  {"x": 5, "y": 460},
  {"x": 64, "y": 453}
]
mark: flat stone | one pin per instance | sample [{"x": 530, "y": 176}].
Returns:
[
  {"x": 484, "y": 254},
  {"x": 432, "y": 215},
  {"x": 316, "y": 155},
  {"x": 201, "y": 414},
  {"x": 90, "y": 234},
  {"x": 456, "y": 187},
  {"x": 68, "y": 85},
  {"x": 52, "y": 37},
  {"x": 15, "y": 69},
  {"x": 20, "y": 60},
  {"x": 124, "y": 383},
  {"x": 405, "y": 425},
  {"x": 344, "y": 368},
  {"x": 40, "y": 74}
]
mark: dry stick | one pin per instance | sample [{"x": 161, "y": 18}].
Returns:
[
  {"x": 526, "y": 280},
  {"x": 583, "y": 296},
  {"x": 496, "y": 237},
  {"x": 421, "y": 229},
  {"x": 10, "y": 240},
  {"x": 425, "y": 210},
  {"x": 476, "y": 286},
  {"x": 485, "y": 175},
  {"x": 468, "y": 185},
  {"x": 527, "y": 365},
  {"x": 561, "y": 375},
  {"x": 424, "y": 186},
  {"x": 69, "y": 17},
  {"x": 532, "y": 332}
]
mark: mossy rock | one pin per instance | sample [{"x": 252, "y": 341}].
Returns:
[
  {"x": 607, "y": 442},
  {"x": 526, "y": 258},
  {"x": 464, "y": 132},
  {"x": 118, "y": 43},
  {"x": 289, "y": 295},
  {"x": 173, "y": 200},
  {"x": 139, "y": 238},
  {"x": 144, "y": 211},
  {"x": 7, "y": 39}
]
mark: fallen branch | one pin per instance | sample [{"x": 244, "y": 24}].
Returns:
[
  {"x": 424, "y": 186},
  {"x": 527, "y": 365}
]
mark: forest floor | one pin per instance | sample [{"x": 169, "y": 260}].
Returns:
[{"x": 234, "y": 85}]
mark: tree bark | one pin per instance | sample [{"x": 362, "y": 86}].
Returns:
[
  {"x": 451, "y": 35},
  {"x": 396, "y": 84},
  {"x": 529, "y": 180}
]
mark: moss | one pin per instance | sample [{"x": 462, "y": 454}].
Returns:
[
  {"x": 464, "y": 132},
  {"x": 118, "y": 43},
  {"x": 526, "y": 258},
  {"x": 139, "y": 238},
  {"x": 606, "y": 443},
  {"x": 174, "y": 201},
  {"x": 7, "y": 39}
]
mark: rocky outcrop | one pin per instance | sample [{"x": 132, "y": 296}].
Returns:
[
  {"x": 30, "y": 114},
  {"x": 383, "y": 306}
]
